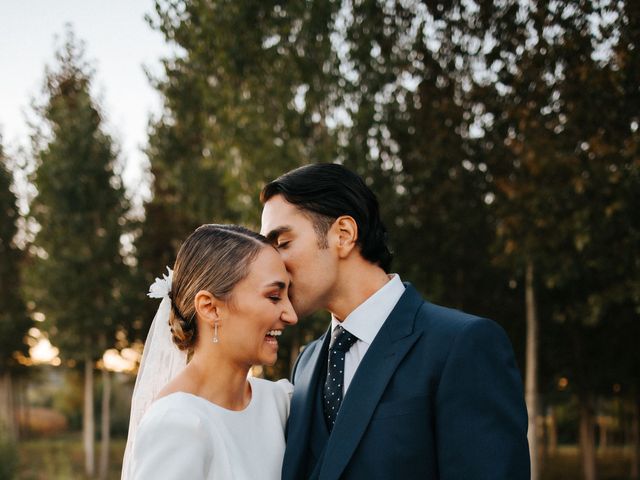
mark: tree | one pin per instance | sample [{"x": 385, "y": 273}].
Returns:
[
  {"x": 598, "y": 281},
  {"x": 244, "y": 102},
  {"x": 79, "y": 207},
  {"x": 14, "y": 321},
  {"x": 468, "y": 119},
  {"x": 408, "y": 66},
  {"x": 560, "y": 132}
]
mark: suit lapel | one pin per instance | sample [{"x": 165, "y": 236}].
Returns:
[
  {"x": 302, "y": 407},
  {"x": 394, "y": 340}
]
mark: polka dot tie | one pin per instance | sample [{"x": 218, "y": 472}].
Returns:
[{"x": 332, "y": 394}]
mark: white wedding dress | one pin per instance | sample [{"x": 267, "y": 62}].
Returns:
[{"x": 182, "y": 436}]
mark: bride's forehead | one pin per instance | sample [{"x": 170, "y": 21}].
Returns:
[{"x": 266, "y": 262}]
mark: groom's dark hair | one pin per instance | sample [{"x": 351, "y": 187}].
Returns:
[{"x": 326, "y": 191}]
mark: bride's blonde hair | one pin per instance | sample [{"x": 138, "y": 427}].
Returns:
[{"x": 213, "y": 258}]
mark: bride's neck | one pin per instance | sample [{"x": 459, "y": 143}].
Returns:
[{"x": 219, "y": 382}]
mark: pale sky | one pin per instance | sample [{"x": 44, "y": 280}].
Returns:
[{"x": 118, "y": 42}]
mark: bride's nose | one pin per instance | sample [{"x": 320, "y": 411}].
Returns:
[{"x": 289, "y": 315}]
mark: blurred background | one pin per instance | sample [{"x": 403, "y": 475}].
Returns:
[{"x": 502, "y": 138}]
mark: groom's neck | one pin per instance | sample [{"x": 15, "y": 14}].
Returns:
[{"x": 358, "y": 279}]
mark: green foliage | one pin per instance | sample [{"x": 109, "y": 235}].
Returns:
[
  {"x": 231, "y": 104},
  {"x": 244, "y": 102},
  {"x": 561, "y": 145},
  {"x": 410, "y": 138},
  {"x": 260, "y": 87},
  {"x": 80, "y": 207},
  {"x": 493, "y": 134},
  {"x": 14, "y": 322}
]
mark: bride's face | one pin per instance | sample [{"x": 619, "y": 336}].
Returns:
[{"x": 258, "y": 312}]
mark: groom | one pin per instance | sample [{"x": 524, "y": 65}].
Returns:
[{"x": 397, "y": 387}]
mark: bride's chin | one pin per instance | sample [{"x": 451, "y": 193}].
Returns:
[{"x": 270, "y": 361}]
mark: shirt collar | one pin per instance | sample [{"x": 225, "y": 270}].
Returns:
[{"x": 367, "y": 319}]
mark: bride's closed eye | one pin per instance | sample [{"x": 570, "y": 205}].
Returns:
[{"x": 274, "y": 297}]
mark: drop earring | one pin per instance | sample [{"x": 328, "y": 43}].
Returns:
[{"x": 215, "y": 332}]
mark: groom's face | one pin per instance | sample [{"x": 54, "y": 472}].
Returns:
[{"x": 310, "y": 261}]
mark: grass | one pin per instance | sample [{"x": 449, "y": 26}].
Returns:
[
  {"x": 613, "y": 464},
  {"x": 61, "y": 458}
]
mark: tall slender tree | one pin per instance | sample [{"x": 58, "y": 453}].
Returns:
[
  {"x": 14, "y": 321},
  {"x": 244, "y": 102},
  {"x": 561, "y": 116},
  {"x": 407, "y": 68},
  {"x": 79, "y": 207}
]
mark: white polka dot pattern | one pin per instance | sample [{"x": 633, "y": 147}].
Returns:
[{"x": 332, "y": 394}]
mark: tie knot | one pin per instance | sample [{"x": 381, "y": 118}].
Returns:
[{"x": 342, "y": 340}]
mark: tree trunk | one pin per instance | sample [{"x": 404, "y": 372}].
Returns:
[
  {"x": 587, "y": 439},
  {"x": 88, "y": 425},
  {"x": 24, "y": 413},
  {"x": 553, "y": 432},
  {"x": 7, "y": 406},
  {"x": 531, "y": 376},
  {"x": 11, "y": 395},
  {"x": 604, "y": 430},
  {"x": 106, "y": 423},
  {"x": 635, "y": 438}
]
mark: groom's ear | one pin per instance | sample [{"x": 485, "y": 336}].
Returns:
[
  {"x": 346, "y": 230},
  {"x": 208, "y": 307}
]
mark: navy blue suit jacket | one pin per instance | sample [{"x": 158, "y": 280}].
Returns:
[{"x": 437, "y": 396}]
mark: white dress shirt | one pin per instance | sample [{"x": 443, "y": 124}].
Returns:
[{"x": 365, "y": 323}]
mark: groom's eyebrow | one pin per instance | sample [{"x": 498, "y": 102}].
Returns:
[{"x": 273, "y": 235}]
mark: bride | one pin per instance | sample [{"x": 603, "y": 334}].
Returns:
[{"x": 223, "y": 306}]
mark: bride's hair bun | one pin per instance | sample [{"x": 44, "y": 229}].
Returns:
[
  {"x": 182, "y": 330},
  {"x": 213, "y": 258}
]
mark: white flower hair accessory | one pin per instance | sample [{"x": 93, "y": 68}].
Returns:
[{"x": 161, "y": 288}]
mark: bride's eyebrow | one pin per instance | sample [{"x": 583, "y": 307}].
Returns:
[{"x": 277, "y": 283}]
